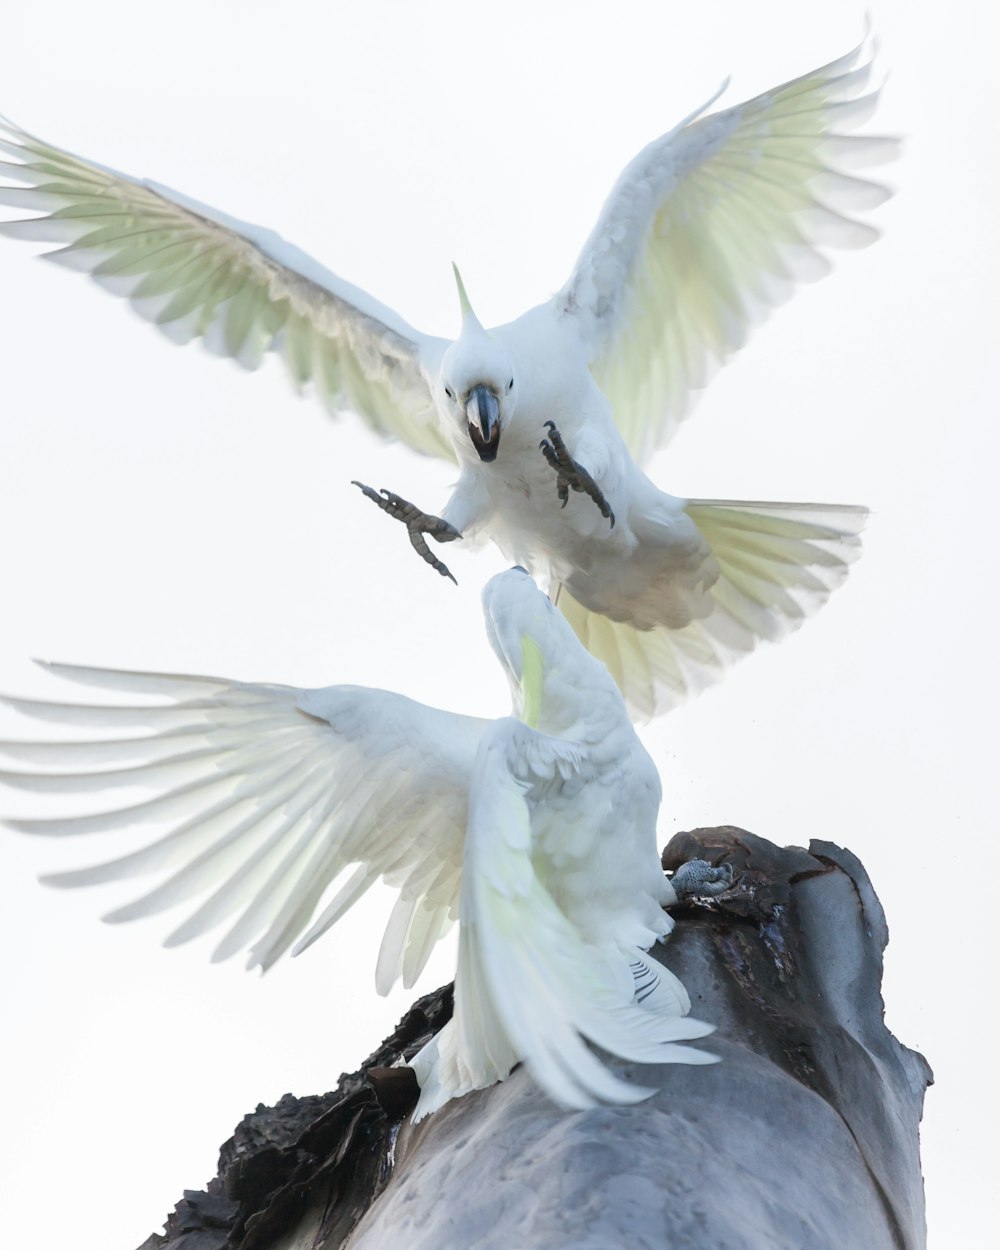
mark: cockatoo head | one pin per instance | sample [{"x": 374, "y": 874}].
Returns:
[
  {"x": 477, "y": 385},
  {"x": 537, "y": 647}
]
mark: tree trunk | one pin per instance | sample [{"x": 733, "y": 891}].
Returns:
[{"x": 803, "y": 1137}]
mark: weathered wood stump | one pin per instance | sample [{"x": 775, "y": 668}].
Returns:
[{"x": 803, "y": 1137}]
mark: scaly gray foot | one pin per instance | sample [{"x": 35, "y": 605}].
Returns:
[
  {"x": 417, "y": 525},
  {"x": 698, "y": 876},
  {"x": 569, "y": 473}
]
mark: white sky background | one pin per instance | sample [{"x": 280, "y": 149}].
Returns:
[{"x": 163, "y": 510}]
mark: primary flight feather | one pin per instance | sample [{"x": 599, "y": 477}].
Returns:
[
  {"x": 551, "y": 416},
  {"x": 536, "y": 831}
]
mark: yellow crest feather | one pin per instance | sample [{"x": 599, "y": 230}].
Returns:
[
  {"x": 531, "y": 681},
  {"x": 469, "y": 318}
]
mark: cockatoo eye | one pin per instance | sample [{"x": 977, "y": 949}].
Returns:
[
  {"x": 510, "y": 384},
  {"x": 449, "y": 392}
]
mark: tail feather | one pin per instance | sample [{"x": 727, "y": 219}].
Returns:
[
  {"x": 656, "y": 987},
  {"x": 529, "y": 985},
  {"x": 778, "y": 564}
]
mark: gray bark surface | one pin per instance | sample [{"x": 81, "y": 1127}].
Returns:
[{"x": 803, "y": 1137}]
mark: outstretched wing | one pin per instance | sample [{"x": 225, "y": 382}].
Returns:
[
  {"x": 528, "y": 985},
  {"x": 708, "y": 229},
  {"x": 197, "y": 273},
  {"x": 778, "y": 564},
  {"x": 261, "y": 796}
]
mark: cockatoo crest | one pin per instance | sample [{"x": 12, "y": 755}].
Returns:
[
  {"x": 531, "y": 681},
  {"x": 274, "y": 810},
  {"x": 476, "y": 388},
  {"x": 532, "y": 639},
  {"x": 469, "y": 319},
  {"x": 708, "y": 228}
]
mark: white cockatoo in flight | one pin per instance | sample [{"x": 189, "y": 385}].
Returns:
[
  {"x": 549, "y": 417},
  {"x": 536, "y": 831}
]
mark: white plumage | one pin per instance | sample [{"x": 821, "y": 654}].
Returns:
[
  {"x": 537, "y": 831},
  {"x": 707, "y": 229}
]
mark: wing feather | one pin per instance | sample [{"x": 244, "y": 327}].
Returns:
[
  {"x": 197, "y": 273},
  {"x": 712, "y": 226},
  {"x": 261, "y": 798},
  {"x": 529, "y": 985}
]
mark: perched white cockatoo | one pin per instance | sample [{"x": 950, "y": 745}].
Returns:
[
  {"x": 537, "y": 831},
  {"x": 705, "y": 231}
]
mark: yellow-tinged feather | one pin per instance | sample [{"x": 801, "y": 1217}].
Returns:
[{"x": 531, "y": 681}]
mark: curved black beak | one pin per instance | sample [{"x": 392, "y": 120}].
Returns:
[{"x": 482, "y": 409}]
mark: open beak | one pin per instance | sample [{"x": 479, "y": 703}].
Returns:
[{"x": 483, "y": 413}]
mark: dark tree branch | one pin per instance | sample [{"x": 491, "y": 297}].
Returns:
[{"x": 804, "y": 1137}]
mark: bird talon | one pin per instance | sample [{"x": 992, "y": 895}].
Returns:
[
  {"x": 569, "y": 473},
  {"x": 699, "y": 877},
  {"x": 417, "y": 524}
]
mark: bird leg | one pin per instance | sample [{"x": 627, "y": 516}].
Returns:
[
  {"x": 569, "y": 473},
  {"x": 698, "y": 876},
  {"x": 417, "y": 524}
]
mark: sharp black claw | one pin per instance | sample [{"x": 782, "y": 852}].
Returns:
[
  {"x": 417, "y": 524},
  {"x": 570, "y": 474}
]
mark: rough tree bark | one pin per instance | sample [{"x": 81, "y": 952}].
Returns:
[{"x": 804, "y": 1137}]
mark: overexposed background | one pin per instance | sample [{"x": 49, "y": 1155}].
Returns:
[{"x": 161, "y": 509}]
